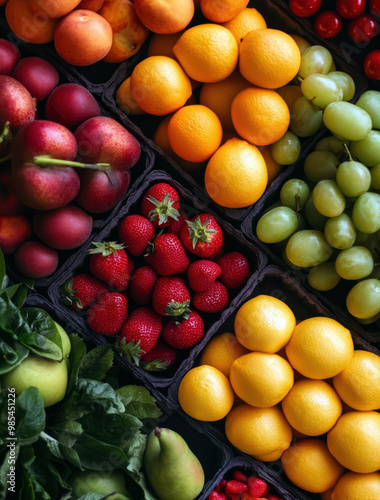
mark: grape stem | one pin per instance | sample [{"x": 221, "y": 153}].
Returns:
[{"x": 347, "y": 151}]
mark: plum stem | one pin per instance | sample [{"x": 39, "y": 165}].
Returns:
[
  {"x": 6, "y": 135},
  {"x": 45, "y": 160}
]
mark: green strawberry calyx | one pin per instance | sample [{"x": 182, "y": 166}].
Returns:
[
  {"x": 158, "y": 364},
  {"x": 163, "y": 209},
  {"x": 178, "y": 310},
  {"x": 131, "y": 350},
  {"x": 68, "y": 297},
  {"x": 198, "y": 231},
  {"x": 105, "y": 247}
]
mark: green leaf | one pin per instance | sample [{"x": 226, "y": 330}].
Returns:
[
  {"x": 112, "y": 428},
  {"x": 98, "y": 455},
  {"x": 78, "y": 351},
  {"x": 139, "y": 402},
  {"x": 96, "y": 363},
  {"x": 61, "y": 451},
  {"x": 30, "y": 415},
  {"x": 12, "y": 352},
  {"x": 21, "y": 295},
  {"x": 10, "y": 291},
  {"x": 115, "y": 496},
  {"x": 92, "y": 496}
]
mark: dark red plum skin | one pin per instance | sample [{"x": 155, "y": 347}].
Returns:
[
  {"x": 9, "y": 56},
  {"x": 17, "y": 105},
  {"x": 36, "y": 260},
  {"x": 37, "y": 75},
  {"x": 9, "y": 203}
]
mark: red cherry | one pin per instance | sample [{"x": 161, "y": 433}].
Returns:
[
  {"x": 363, "y": 29},
  {"x": 328, "y": 24},
  {"x": 304, "y": 8},
  {"x": 372, "y": 65},
  {"x": 349, "y": 9},
  {"x": 374, "y": 7}
]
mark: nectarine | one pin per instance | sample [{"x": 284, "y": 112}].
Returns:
[
  {"x": 165, "y": 16},
  {"x": 14, "y": 230},
  {"x": 53, "y": 8}
]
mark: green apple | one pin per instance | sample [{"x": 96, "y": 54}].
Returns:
[
  {"x": 66, "y": 344},
  {"x": 95, "y": 481},
  {"x": 50, "y": 377}
]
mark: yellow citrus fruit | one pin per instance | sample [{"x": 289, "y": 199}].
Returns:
[
  {"x": 273, "y": 168},
  {"x": 236, "y": 174},
  {"x": 263, "y": 433},
  {"x": 310, "y": 466},
  {"x": 218, "y": 96},
  {"x": 247, "y": 20},
  {"x": 320, "y": 347},
  {"x": 355, "y": 441},
  {"x": 261, "y": 379},
  {"x": 354, "y": 486},
  {"x": 264, "y": 323},
  {"x": 195, "y": 132},
  {"x": 326, "y": 495},
  {"x": 312, "y": 407},
  {"x": 220, "y": 11},
  {"x": 159, "y": 85},
  {"x": 269, "y": 58},
  {"x": 221, "y": 351},
  {"x": 207, "y": 52},
  {"x": 358, "y": 385},
  {"x": 290, "y": 93},
  {"x": 260, "y": 116},
  {"x": 301, "y": 42},
  {"x": 205, "y": 393},
  {"x": 125, "y": 100},
  {"x": 162, "y": 45}
]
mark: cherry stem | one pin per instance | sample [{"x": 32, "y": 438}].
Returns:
[
  {"x": 45, "y": 160},
  {"x": 6, "y": 134}
]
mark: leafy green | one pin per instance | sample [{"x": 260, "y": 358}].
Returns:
[
  {"x": 97, "y": 362},
  {"x": 30, "y": 415},
  {"x": 139, "y": 402}
]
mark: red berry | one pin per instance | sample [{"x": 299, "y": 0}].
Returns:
[
  {"x": 212, "y": 300},
  {"x": 185, "y": 334},
  {"x": 257, "y": 487},
  {"x": 108, "y": 314},
  {"x": 349, "y": 9},
  {"x": 274, "y": 497},
  {"x": 363, "y": 29},
  {"x": 374, "y": 7},
  {"x": 135, "y": 232},
  {"x": 202, "y": 273},
  {"x": 372, "y": 65},
  {"x": 328, "y": 24},
  {"x": 161, "y": 204},
  {"x": 239, "y": 476},
  {"x": 235, "y": 269},
  {"x": 304, "y": 8},
  {"x": 221, "y": 485},
  {"x": 215, "y": 495},
  {"x": 234, "y": 486},
  {"x": 142, "y": 284}
]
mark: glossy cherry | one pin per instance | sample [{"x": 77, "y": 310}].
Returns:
[
  {"x": 374, "y": 7},
  {"x": 328, "y": 24},
  {"x": 371, "y": 65},
  {"x": 363, "y": 29},
  {"x": 304, "y": 8},
  {"x": 349, "y": 9}
]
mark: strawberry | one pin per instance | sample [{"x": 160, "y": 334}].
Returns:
[
  {"x": 239, "y": 476},
  {"x": 168, "y": 256},
  {"x": 235, "y": 487},
  {"x": 82, "y": 290},
  {"x": 176, "y": 224},
  {"x": 214, "y": 495},
  {"x": 184, "y": 334},
  {"x": 235, "y": 269},
  {"x": 171, "y": 297},
  {"x": 257, "y": 487},
  {"x": 135, "y": 233},
  {"x": 161, "y": 204},
  {"x": 140, "y": 333},
  {"x": 202, "y": 235},
  {"x": 221, "y": 485},
  {"x": 109, "y": 263},
  {"x": 162, "y": 356},
  {"x": 142, "y": 284},
  {"x": 212, "y": 300},
  {"x": 202, "y": 273},
  {"x": 108, "y": 314}
]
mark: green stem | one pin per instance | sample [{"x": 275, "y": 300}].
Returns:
[
  {"x": 347, "y": 151},
  {"x": 6, "y": 134},
  {"x": 45, "y": 160}
]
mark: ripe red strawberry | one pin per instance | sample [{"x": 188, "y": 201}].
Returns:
[
  {"x": 82, "y": 290},
  {"x": 185, "y": 334},
  {"x": 214, "y": 495},
  {"x": 162, "y": 356},
  {"x": 142, "y": 284},
  {"x": 108, "y": 314},
  {"x": 171, "y": 297},
  {"x": 202, "y": 273},
  {"x": 135, "y": 233},
  {"x": 212, "y": 300},
  {"x": 175, "y": 225},
  {"x": 109, "y": 263},
  {"x": 202, "y": 235},
  {"x": 168, "y": 256},
  {"x": 236, "y": 487},
  {"x": 161, "y": 204},
  {"x": 257, "y": 487},
  {"x": 235, "y": 269}
]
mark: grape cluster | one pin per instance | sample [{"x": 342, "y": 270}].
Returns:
[{"x": 328, "y": 221}]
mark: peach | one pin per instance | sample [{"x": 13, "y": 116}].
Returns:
[
  {"x": 94, "y": 5},
  {"x": 165, "y": 16},
  {"x": 14, "y": 230},
  {"x": 53, "y": 8},
  {"x": 129, "y": 33}
]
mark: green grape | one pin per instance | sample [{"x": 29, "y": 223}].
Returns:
[
  {"x": 328, "y": 199},
  {"x": 370, "y": 102},
  {"x": 276, "y": 225},
  {"x": 308, "y": 248},
  {"x": 305, "y": 119},
  {"x": 315, "y": 59},
  {"x": 375, "y": 177},
  {"x": 331, "y": 143},
  {"x": 366, "y": 212},
  {"x": 353, "y": 178},
  {"x": 363, "y": 300},
  {"x": 354, "y": 263},
  {"x": 346, "y": 83},
  {"x": 294, "y": 193},
  {"x": 320, "y": 165},
  {"x": 367, "y": 150},
  {"x": 286, "y": 150},
  {"x": 323, "y": 277},
  {"x": 270, "y": 207},
  {"x": 313, "y": 217},
  {"x": 347, "y": 121},
  {"x": 340, "y": 232},
  {"x": 368, "y": 321},
  {"x": 321, "y": 90}
]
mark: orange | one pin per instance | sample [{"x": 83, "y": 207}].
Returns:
[
  {"x": 165, "y": 16},
  {"x": 312, "y": 407},
  {"x": 320, "y": 347},
  {"x": 359, "y": 383},
  {"x": 290, "y": 93},
  {"x": 260, "y": 116},
  {"x": 264, "y": 323},
  {"x": 218, "y": 96},
  {"x": 261, "y": 379},
  {"x": 195, "y": 133},
  {"x": 354, "y": 486},
  {"x": 263, "y": 433},
  {"x": 159, "y": 85},
  {"x": 247, "y": 20},
  {"x": 125, "y": 100},
  {"x": 310, "y": 466},
  {"x": 221, "y": 351},
  {"x": 162, "y": 45},
  {"x": 205, "y": 394},
  {"x": 236, "y": 174},
  {"x": 220, "y": 11},
  {"x": 273, "y": 168},
  {"x": 207, "y": 52},
  {"x": 355, "y": 441},
  {"x": 269, "y": 58}
]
